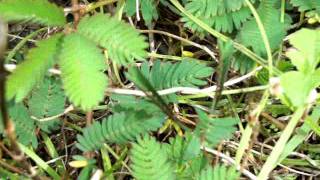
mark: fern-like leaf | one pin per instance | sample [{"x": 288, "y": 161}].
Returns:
[
  {"x": 82, "y": 73},
  {"x": 250, "y": 35},
  {"x": 24, "y": 125},
  {"x": 118, "y": 128},
  {"x": 224, "y": 16},
  {"x": 167, "y": 74},
  {"x": 215, "y": 130},
  {"x": 150, "y": 161},
  {"x": 219, "y": 172},
  {"x": 148, "y": 10},
  {"x": 123, "y": 42},
  {"x": 32, "y": 69},
  {"x": 37, "y": 11},
  {"x": 131, "y": 103},
  {"x": 46, "y": 100},
  {"x": 181, "y": 150},
  {"x": 210, "y": 8},
  {"x": 242, "y": 63}
]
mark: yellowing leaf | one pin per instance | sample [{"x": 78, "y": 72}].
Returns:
[
  {"x": 78, "y": 164},
  {"x": 187, "y": 54}
]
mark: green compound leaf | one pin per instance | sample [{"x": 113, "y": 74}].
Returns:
[
  {"x": 242, "y": 63},
  {"x": 150, "y": 161},
  {"x": 181, "y": 150},
  {"x": 122, "y": 103},
  {"x": 250, "y": 36},
  {"x": 118, "y": 128},
  {"x": 166, "y": 74},
  {"x": 148, "y": 10},
  {"x": 224, "y": 16},
  {"x": 215, "y": 130},
  {"x": 24, "y": 125},
  {"x": 186, "y": 156},
  {"x": 47, "y": 100},
  {"x": 163, "y": 75},
  {"x": 82, "y": 73},
  {"x": 123, "y": 43},
  {"x": 33, "y": 69},
  {"x": 219, "y": 172},
  {"x": 36, "y": 11}
]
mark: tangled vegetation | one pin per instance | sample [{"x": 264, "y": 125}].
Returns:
[{"x": 160, "y": 89}]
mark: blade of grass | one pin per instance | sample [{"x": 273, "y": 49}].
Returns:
[
  {"x": 313, "y": 125},
  {"x": 120, "y": 159},
  {"x": 107, "y": 166},
  {"x": 302, "y": 133},
  {"x": 245, "y": 139},
  {"x": 42, "y": 164},
  {"x": 5, "y": 174},
  {"x": 272, "y": 160},
  {"x": 53, "y": 153}
]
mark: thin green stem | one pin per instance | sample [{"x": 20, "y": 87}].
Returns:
[
  {"x": 226, "y": 92},
  {"x": 14, "y": 51},
  {"x": 94, "y": 6},
  {"x": 283, "y": 10},
  {"x": 187, "y": 41},
  {"x": 175, "y": 58},
  {"x": 42, "y": 164},
  {"x": 107, "y": 165},
  {"x": 53, "y": 152},
  {"x": 313, "y": 125},
  {"x": 163, "y": 56},
  {"x": 245, "y": 139},
  {"x": 224, "y": 38},
  {"x": 264, "y": 37},
  {"x": 114, "y": 154},
  {"x": 119, "y": 11},
  {"x": 233, "y": 108},
  {"x": 272, "y": 160}
]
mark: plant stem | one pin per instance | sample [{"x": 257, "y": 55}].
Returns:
[
  {"x": 226, "y": 92},
  {"x": 107, "y": 166},
  {"x": 89, "y": 118},
  {"x": 283, "y": 10},
  {"x": 10, "y": 167},
  {"x": 93, "y": 6},
  {"x": 76, "y": 14},
  {"x": 224, "y": 38},
  {"x": 8, "y": 124},
  {"x": 264, "y": 37},
  {"x": 175, "y": 58},
  {"x": 13, "y": 52},
  {"x": 53, "y": 153},
  {"x": 205, "y": 48},
  {"x": 245, "y": 139},
  {"x": 277, "y": 150},
  {"x": 114, "y": 154},
  {"x": 42, "y": 164}
]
